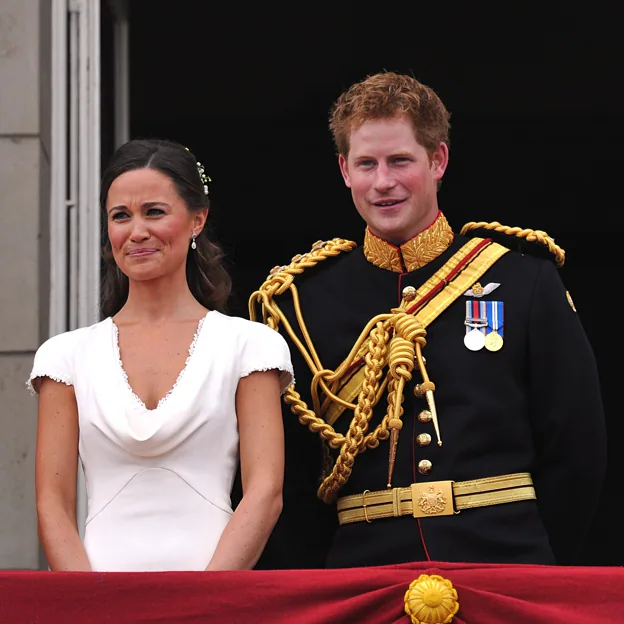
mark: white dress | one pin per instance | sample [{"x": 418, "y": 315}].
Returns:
[{"x": 158, "y": 481}]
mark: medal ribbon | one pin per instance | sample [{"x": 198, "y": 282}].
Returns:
[
  {"x": 476, "y": 316},
  {"x": 495, "y": 316}
]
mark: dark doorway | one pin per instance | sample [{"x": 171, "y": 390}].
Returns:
[{"x": 537, "y": 134}]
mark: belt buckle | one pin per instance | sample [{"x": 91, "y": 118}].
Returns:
[{"x": 434, "y": 498}]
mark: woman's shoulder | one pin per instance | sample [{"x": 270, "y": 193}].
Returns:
[
  {"x": 245, "y": 328},
  {"x": 68, "y": 341},
  {"x": 56, "y": 357},
  {"x": 259, "y": 348}
]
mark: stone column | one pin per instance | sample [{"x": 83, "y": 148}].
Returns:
[{"x": 25, "y": 51}]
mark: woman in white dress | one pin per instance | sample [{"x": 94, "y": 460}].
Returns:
[{"x": 164, "y": 396}]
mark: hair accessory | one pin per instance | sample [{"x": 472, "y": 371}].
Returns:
[
  {"x": 204, "y": 178},
  {"x": 202, "y": 175}
]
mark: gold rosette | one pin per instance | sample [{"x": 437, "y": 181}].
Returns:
[{"x": 431, "y": 599}]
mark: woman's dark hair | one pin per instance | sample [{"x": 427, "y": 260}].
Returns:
[{"x": 207, "y": 278}]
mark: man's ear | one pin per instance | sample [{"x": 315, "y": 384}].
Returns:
[
  {"x": 439, "y": 161},
  {"x": 344, "y": 169}
]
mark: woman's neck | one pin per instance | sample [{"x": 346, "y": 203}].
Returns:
[{"x": 159, "y": 300}]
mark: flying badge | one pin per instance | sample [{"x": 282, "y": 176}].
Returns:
[
  {"x": 479, "y": 291},
  {"x": 484, "y": 325}
]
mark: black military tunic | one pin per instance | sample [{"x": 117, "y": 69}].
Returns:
[{"x": 533, "y": 406}]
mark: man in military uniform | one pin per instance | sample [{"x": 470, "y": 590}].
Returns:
[{"x": 447, "y": 376}]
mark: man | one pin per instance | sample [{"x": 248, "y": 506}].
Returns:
[{"x": 447, "y": 376}]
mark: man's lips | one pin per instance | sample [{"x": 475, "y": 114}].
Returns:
[{"x": 388, "y": 203}]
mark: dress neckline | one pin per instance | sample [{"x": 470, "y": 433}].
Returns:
[{"x": 136, "y": 398}]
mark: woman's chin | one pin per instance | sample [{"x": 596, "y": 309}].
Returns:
[{"x": 143, "y": 274}]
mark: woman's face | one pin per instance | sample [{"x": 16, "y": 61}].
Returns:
[{"x": 150, "y": 227}]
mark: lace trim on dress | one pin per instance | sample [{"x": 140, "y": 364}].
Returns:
[
  {"x": 135, "y": 396},
  {"x": 55, "y": 377},
  {"x": 282, "y": 368}
]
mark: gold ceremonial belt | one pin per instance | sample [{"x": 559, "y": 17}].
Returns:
[{"x": 435, "y": 498}]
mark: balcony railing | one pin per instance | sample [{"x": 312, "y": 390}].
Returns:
[{"x": 427, "y": 593}]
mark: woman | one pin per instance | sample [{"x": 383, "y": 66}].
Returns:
[{"x": 160, "y": 426}]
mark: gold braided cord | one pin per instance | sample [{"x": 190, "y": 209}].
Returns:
[
  {"x": 373, "y": 369},
  {"x": 394, "y": 340},
  {"x": 351, "y": 406},
  {"x": 538, "y": 236},
  {"x": 279, "y": 281},
  {"x": 405, "y": 347}
]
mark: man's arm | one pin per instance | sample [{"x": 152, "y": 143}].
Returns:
[{"x": 567, "y": 416}]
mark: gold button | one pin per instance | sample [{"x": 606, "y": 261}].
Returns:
[
  {"x": 423, "y": 439},
  {"x": 418, "y": 392},
  {"x": 425, "y": 416},
  {"x": 409, "y": 293},
  {"x": 424, "y": 466}
]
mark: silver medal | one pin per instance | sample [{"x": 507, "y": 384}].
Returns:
[{"x": 474, "y": 340}]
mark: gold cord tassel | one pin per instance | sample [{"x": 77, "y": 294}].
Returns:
[
  {"x": 395, "y": 426},
  {"x": 426, "y": 388},
  {"x": 432, "y": 409}
]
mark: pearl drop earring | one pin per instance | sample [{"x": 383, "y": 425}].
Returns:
[{"x": 193, "y": 243}]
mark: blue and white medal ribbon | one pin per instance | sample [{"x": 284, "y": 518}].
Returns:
[{"x": 496, "y": 320}]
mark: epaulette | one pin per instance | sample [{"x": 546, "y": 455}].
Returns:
[
  {"x": 538, "y": 242},
  {"x": 281, "y": 278},
  {"x": 321, "y": 250}
]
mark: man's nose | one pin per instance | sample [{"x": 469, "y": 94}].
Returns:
[{"x": 384, "y": 178}]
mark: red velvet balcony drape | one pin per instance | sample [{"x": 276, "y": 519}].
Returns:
[{"x": 487, "y": 594}]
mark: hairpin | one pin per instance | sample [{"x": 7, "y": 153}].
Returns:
[{"x": 202, "y": 174}]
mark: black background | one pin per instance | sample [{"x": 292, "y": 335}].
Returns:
[{"x": 536, "y": 138}]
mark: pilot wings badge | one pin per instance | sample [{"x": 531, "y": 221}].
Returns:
[{"x": 479, "y": 291}]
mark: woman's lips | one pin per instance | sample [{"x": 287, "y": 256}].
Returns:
[{"x": 138, "y": 253}]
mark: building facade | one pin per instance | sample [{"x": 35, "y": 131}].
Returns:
[{"x": 50, "y": 155}]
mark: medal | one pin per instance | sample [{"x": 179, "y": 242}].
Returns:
[
  {"x": 493, "y": 341},
  {"x": 475, "y": 323},
  {"x": 474, "y": 340},
  {"x": 494, "y": 338}
]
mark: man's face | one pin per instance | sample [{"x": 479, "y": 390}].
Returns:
[{"x": 393, "y": 180}]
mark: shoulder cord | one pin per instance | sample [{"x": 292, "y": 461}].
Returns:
[
  {"x": 531, "y": 236},
  {"x": 394, "y": 339}
]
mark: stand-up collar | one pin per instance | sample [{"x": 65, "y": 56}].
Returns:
[{"x": 413, "y": 254}]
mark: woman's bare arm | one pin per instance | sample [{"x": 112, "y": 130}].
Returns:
[
  {"x": 56, "y": 471},
  {"x": 258, "y": 407}
]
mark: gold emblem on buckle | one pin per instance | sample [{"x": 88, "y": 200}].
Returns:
[{"x": 432, "y": 499}]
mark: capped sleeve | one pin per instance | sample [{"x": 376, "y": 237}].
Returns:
[
  {"x": 265, "y": 349},
  {"x": 53, "y": 359}
]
